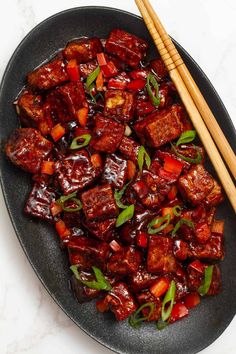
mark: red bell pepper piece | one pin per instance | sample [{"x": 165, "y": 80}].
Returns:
[
  {"x": 100, "y": 82},
  {"x": 131, "y": 169},
  {"x": 116, "y": 84},
  {"x": 62, "y": 230},
  {"x": 101, "y": 59},
  {"x": 179, "y": 311},
  {"x": 57, "y": 132},
  {"x": 172, "y": 165},
  {"x": 160, "y": 287},
  {"x": 172, "y": 193},
  {"x": 82, "y": 116},
  {"x": 47, "y": 167},
  {"x": 139, "y": 73},
  {"x": 109, "y": 70},
  {"x": 73, "y": 70},
  {"x": 144, "y": 108},
  {"x": 142, "y": 239},
  {"x": 96, "y": 160},
  {"x": 115, "y": 246},
  {"x": 192, "y": 300},
  {"x": 102, "y": 305},
  {"x": 55, "y": 209},
  {"x": 167, "y": 210},
  {"x": 136, "y": 85},
  {"x": 197, "y": 265}
]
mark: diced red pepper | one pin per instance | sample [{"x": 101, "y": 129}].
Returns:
[
  {"x": 82, "y": 116},
  {"x": 116, "y": 84},
  {"x": 47, "y": 167},
  {"x": 96, "y": 160},
  {"x": 101, "y": 59},
  {"x": 73, "y": 70},
  {"x": 172, "y": 165},
  {"x": 102, "y": 305},
  {"x": 62, "y": 230},
  {"x": 131, "y": 167},
  {"x": 160, "y": 287},
  {"x": 142, "y": 239},
  {"x": 55, "y": 209},
  {"x": 167, "y": 210},
  {"x": 168, "y": 229},
  {"x": 115, "y": 246},
  {"x": 169, "y": 176},
  {"x": 191, "y": 300},
  {"x": 197, "y": 265},
  {"x": 57, "y": 132},
  {"x": 179, "y": 311},
  {"x": 139, "y": 73},
  {"x": 109, "y": 70},
  {"x": 144, "y": 108},
  {"x": 172, "y": 193},
  {"x": 100, "y": 82},
  {"x": 136, "y": 85}
]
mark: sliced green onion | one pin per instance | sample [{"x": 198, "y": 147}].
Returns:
[
  {"x": 100, "y": 283},
  {"x": 74, "y": 145},
  {"x": 142, "y": 154},
  {"x": 161, "y": 324},
  {"x": 164, "y": 221},
  {"x": 93, "y": 98},
  {"x": 152, "y": 83},
  {"x": 92, "y": 77},
  {"x": 125, "y": 215},
  {"x": 118, "y": 194},
  {"x": 177, "y": 210},
  {"x": 64, "y": 198},
  {"x": 197, "y": 160},
  {"x": 135, "y": 321},
  {"x": 186, "y": 137},
  {"x": 181, "y": 222},
  {"x": 206, "y": 283},
  {"x": 169, "y": 297}
]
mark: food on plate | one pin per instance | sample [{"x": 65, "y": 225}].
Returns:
[{"x": 119, "y": 173}]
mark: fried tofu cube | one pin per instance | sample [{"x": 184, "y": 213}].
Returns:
[
  {"x": 142, "y": 279},
  {"x": 83, "y": 50},
  {"x": 212, "y": 249},
  {"x": 124, "y": 262},
  {"x": 160, "y": 258},
  {"x": 196, "y": 184},
  {"x": 103, "y": 230},
  {"x": 87, "y": 252},
  {"x": 27, "y": 148},
  {"x": 87, "y": 68},
  {"x": 215, "y": 196},
  {"x": 119, "y": 105},
  {"x": 75, "y": 171},
  {"x": 127, "y": 47},
  {"x": 107, "y": 134},
  {"x": 115, "y": 171},
  {"x": 129, "y": 148},
  {"x": 99, "y": 203},
  {"x": 159, "y": 68},
  {"x": 39, "y": 201},
  {"x": 48, "y": 75},
  {"x": 146, "y": 297},
  {"x": 120, "y": 301}
]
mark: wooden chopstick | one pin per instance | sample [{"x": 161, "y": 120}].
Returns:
[
  {"x": 192, "y": 110},
  {"x": 207, "y": 115}
]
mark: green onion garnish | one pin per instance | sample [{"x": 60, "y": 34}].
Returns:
[
  {"x": 164, "y": 221},
  {"x": 186, "y": 137},
  {"x": 142, "y": 154},
  {"x": 161, "y": 324},
  {"x": 135, "y": 321},
  {"x": 92, "y": 77},
  {"x": 177, "y": 210},
  {"x": 125, "y": 215},
  {"x": 197, "y": 160},
  {"x": 74, "y": 145},
  {"x": 169, "y": 297},
  {"x": 119, "y": 194},
  {"x": 100, "y": 284},
  {"x": 206, "y": 283},
  {"x": 70, "y": 197},
  {"x": 181, "y": 222},
  {"x": 152, "y": 83}
]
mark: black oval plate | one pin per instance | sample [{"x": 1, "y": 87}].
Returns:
[{"x": 40, "y": 242}]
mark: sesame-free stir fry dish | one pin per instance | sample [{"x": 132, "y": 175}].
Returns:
[{"x": 118, "y": 171}]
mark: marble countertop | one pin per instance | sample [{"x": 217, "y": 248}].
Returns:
[{"x": 30, "y": 321}]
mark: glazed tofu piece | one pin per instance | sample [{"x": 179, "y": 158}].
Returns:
[
  {"x": 87, "y": 68},
  {"x": 83, "y": 50},
  {"x": 115, "y": 171},
  {"x": 99, "y": 203},
  {"x": 129, "y": 148},
  {"x": 159, "y": 68},
  {"x": 82, "y": 292},
  {"x": 161, "y": 127},
  {"x": 215, "y": 196},
  {"x": 48, "y": 75},
  {"x": 75, "y": 171},
  {"x": 119, "y": 105},
  {"x": 120, "y": 301},
  {"x": 127, "y": 47},
  {"x": 124, "y": 262},
  {"x": 196, "y": 185},
  {"x": 202, "y": 232},
  {"x": 213, "y": 249},
  {"x": 107, "y": 134},
  {"x": 87, "y": 252},
  {"x": 146, "y": 297},
  {"x": 160, "y": 258},
  {"x": 142, "y": 279},
  {"x": 27, "y": 148},
  {"x": 103, "y": 230},
  {"x": 39, "y": 201}
]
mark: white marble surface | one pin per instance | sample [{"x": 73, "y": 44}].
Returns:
[{"x": 30, "y": 321}]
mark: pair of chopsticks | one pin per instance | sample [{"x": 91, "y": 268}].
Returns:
[{"x": 199, "y": 112}]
